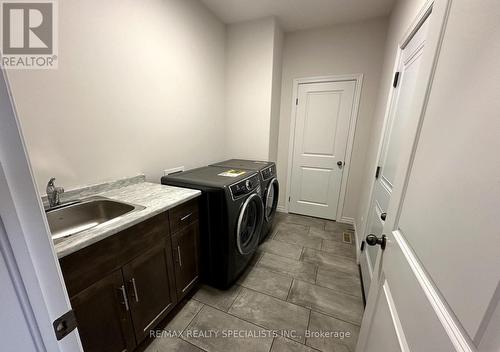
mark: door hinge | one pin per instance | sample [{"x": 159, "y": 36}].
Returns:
[
  {"x": 396, "y": 79},
  {"x": 377, "y": 173},
  {"x": 362, "y": 246},
  {"x": 296, "y": 101},
  {"x": 65, "y": 324},
  {"x": 289, "y": 199}
]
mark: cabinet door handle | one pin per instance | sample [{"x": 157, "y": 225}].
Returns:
[
  {"x": 136, "y": 296},
  {"x": 179, "y": 255},
  {"x": 185, "y": 217},
  {"x": 124, "y": 295}
]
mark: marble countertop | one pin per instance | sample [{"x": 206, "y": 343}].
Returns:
[{"x": 154, "y": 197}]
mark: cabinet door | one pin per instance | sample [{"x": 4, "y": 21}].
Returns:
[
  {"x": 150, "y": 285},
  {"x": 102, "y": 314},
  {"x": 185, "y": 245}
]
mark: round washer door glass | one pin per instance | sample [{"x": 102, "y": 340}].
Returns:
[{"x": 249, "y": 225}]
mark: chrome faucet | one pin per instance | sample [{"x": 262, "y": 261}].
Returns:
[{"x": 53, "y": 193}]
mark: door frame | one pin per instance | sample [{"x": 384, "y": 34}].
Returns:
[
  {"x": 26, "y": 245},
  {"x": 358, "y": 79},
  {"x": 392, "y": 97}
]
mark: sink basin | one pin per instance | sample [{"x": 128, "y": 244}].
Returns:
[{"x": 67, "y": 220}]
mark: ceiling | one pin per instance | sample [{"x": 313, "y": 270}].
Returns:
[{"x": 300, "y": 14}]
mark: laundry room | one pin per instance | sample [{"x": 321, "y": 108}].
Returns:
[{"x": 221, "y": 175}]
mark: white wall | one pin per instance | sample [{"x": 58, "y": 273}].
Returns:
[
  {"x": 276, "y": 93},
  {"x": 400, "y": 20},
  {"x": 250, "y": 52},
  {"x": 334, "y": 50},
  {"x": 139, "y": 88}
]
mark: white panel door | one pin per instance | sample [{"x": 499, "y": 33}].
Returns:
[
  {"x": 436, "y": 286},
  {"x": 400, "y": 316},
  {"x": 321, "y": 133},
  {"x": 399, "y": 122}
]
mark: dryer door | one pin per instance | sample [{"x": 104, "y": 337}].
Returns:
[
  {"x": 271, "y": 200},
  {"x": 249, "y": 224}
]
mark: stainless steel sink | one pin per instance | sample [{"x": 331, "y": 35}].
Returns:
[{"x": 75, "y": 217}]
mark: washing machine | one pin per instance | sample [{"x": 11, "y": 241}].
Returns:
[
  {"x": 270, "y": 187},
  {"x": 231, "y": 218}
]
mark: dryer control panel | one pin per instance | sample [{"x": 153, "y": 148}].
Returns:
[
  {"x": 268, "y": 172},
  {"x": 245, "y": 187}
]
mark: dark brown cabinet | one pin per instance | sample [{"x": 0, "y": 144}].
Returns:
[
  {"x": 121, "y": 287},
  {"x": 103, "y": 320},
  {"x": 150, "y": 291},
  {"x": 186, "y": 258}
]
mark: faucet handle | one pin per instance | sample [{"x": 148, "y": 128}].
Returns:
[{"x": 51, "y": 182}]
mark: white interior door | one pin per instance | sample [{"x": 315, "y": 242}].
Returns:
[
  {"x": 323, "y": 117},
  {"x": 26, "y": 249},
  {"x": 437, "y": 285},
  {"x": 399, "y": 315},
  {"x": 399, "y": 122}
]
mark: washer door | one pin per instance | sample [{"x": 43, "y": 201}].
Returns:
[
  {"x": 249, "y": 224},
  {"x": 271, "y": 200}
]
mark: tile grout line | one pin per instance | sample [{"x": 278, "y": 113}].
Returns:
[
  {"x": 332, "y": 289},
  {"x": 264, "y": 293},
  {"x": 271, "y": 271},
  {"x": 302, "y": 254},
  {"x": 335, "y": 268},
  {"x": 283, "y": 300},
  {"x": 264, "y": 251},
  {"x": 308, "y": 325},
  {"x": 272, "y": 343},
  {"x": 235, "y": 298},
  {"x": 335, "y": 255},
  {"x": 336, "y": 290},
  {"x": 281, "y": 273},
  {"x": 192, "y": 319},
  {"x": 298, "y": 244},
  {"x": 326, "y": 313},
  {"x": 194, "y": 316},
  {"x": 331, "y": 267},
  {"x": 316, "y": 274},
  {"x": 258, "y": 260},
  {"x": 290, "y": 290},
  {"x": 192, "y": 344}
]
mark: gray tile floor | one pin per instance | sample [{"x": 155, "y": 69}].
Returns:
[{"x": 304, "y": 282}]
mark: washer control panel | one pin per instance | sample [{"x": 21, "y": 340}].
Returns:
[
  {"x": 269, "y": 172},
  {"x": 244, "y": 187}
]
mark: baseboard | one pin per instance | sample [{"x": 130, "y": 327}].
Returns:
[
  {"x": 281, "y": 209},
  {"x": 347, "y": 220}
]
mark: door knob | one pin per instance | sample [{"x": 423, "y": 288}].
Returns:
[
  {"x": 373, "y": 240},
  {"x": 383, "y": 216},
  {"x": 340, "y": 164}
]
